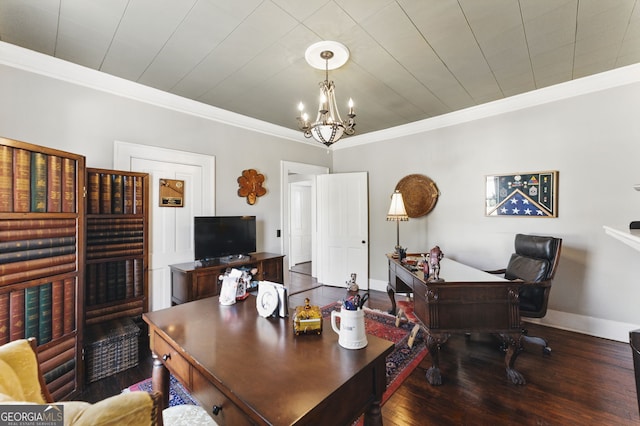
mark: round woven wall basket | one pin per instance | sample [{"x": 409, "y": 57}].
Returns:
[{"x": 420, "y": 194}]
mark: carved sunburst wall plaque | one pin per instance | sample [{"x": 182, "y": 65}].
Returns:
[
  {"x": 420, "y": 194},
  {"x": 251, "y": 185}
]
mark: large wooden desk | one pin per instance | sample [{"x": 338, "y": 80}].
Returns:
[
  {"x": 245, "y": 369},
  {"x": 469, "y": 300}
]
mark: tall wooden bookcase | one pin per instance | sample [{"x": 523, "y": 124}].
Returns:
[
  {"x": 42, "y": 257},
  {"x": 117, "y": 245}
]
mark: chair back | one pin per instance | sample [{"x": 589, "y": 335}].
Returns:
[
  {"x": 535, "y": 258},
  {"x": 534, "y": 262}
]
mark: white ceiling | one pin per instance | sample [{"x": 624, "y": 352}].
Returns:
[{"x": 410, "y": 59}]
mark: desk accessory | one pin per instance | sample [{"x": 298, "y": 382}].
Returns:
[
  {"x": 272, "y": 300},
  {"x": 307, "y": 319},
  {"x": 351, "y": 332}
]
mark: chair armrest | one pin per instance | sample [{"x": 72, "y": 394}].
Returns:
[{"x": 131, "y": 408}]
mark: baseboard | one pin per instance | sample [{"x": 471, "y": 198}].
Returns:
[{"x": 598, "y": 327}]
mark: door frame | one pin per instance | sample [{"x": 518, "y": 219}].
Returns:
[{"x": 287, "y": 168}]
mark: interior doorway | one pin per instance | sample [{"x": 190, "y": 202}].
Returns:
[{"x": 299, "y": 179}]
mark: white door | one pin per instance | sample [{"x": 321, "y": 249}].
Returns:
[
  {"x": 171, "y": 228},
  {"x": 300, "y": 222},
  {"x": 343, "y": 228}
]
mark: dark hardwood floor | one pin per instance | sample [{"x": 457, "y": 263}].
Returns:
[{"x": 586, "y": 380}]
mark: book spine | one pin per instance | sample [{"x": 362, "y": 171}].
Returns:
[
  {"x": 32, "y": 274},
  {"x": 108, "y": 248},
  {"x": 93, "y": 199},
  {"x": 16, "y": 312},
  {"x": 101, "y": 222},
  {"x": 117, "y": 195},
  {"x": 91, "y": 284},
  {"x": 130, "y": 278},
  {"x": 32, "y": 311},
  {"x": 18, "y": 224},
  {"x": 38, "y": 243},
  {"x": 128, "y": 194},
  {"x": 5, "y": 318},
  {"x": 38, "y": 182},
  {"x": 36, "y": 264},
  {"x": 54, "y": 184},
  {"x": 57, "y": 309},
  {"x": 101, "y": 296},
  {"x": 138, "y": 205},
  {"x": 21, "y": 256},
  {"x": 28, "y": 234},
  {"x": 138, "y": 282},
  {"x": 68, "y": 185},
  {"x": 115, "y": 230},
  {"x": 6, "y": 178},
  {"x": 45, "y": 321},
  {"x": 21, "y": 180},
  {"x": 69, "y": 305},
  {"x": 128, "y": 309},
  {"x": 116, "y": 240},
  {"x": 112, "y": 272},
  {"x": 115, "y": 253},
  {"x": 59, "y": 371},
  {"x": 121, "y": 280},
  {"x": 105, "y": 193}
]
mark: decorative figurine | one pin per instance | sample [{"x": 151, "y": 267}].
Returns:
[
  {"x": 307, "y": 319},
  {"x": 351, "y": 284},
  {"x": 435, "y": 256}
]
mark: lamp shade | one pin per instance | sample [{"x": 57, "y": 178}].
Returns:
[{"x": 397, "y": 211}]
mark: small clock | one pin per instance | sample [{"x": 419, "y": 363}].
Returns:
[{"x": 267, "y": 300}]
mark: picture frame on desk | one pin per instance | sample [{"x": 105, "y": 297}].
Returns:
[{"x": 531, "y": 194}]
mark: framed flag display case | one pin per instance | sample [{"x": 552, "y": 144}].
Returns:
[{"x": 522, "y": 194}]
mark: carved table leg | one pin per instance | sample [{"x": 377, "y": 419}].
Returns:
[
  {"x": 373, "y": 416},
  {"x": 514, "y": 347},
  {"x": 392, "y": 296},
  {"x": 160, "y": 380},
  {"x": 433, "y": 344}
]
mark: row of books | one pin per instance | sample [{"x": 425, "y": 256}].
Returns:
[
  {"x": 114, "y": 237},
  {"x": 113, "y": 281},
  {"x": 114, "y": 193},
  {"x": 45, "y": 311},
  {"x": 36, "y": 182}
]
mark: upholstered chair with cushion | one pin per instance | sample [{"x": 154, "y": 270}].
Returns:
[
  {"x": 534, "y": 263},
  {"x": 21, "y": 382}
]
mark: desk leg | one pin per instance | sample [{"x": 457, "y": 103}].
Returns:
[
  {"x": 514, "y": 347},
  {"x": 160, "y": 380},
  {"x": 433, "y": 344},
  {"x": 392, "y": 296}
]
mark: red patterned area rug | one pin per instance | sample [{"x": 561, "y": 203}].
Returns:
[
  {"x": 403, "y": 360},
  {"x": 400, "y": 363}
]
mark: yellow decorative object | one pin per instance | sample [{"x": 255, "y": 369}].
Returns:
[
  {"x": 307, "y": 319},
  {"x": 251, "y": 185},
  {"x": 21, "y": 383}
]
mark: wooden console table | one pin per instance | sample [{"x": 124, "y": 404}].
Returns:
[
  {"x": 245, "y": 369},
  {"x": 469, "y": 300},
  {"x": 193, "y": 281}
]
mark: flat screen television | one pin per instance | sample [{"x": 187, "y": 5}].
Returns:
[{"x": 217, "y": 237}]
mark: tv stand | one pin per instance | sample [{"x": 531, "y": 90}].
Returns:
[{"x": 197, "y": 280}]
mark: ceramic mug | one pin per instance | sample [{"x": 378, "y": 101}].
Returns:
[{"x": 351, "y": 332}]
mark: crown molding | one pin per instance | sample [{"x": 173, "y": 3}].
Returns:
[
  {"x": 48, "y": 66},
  {"x": 594, "y": 83},
  {"x": 35, "y": 62}
]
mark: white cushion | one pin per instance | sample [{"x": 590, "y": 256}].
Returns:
[{"x": 187, "y": 415}]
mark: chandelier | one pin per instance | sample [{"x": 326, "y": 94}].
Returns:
[{"x": 328, "y": 126}]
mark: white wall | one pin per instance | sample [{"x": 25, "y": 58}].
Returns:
[
  {"x": 52, "y": 112},
  {"x": 593, "y": 140}
]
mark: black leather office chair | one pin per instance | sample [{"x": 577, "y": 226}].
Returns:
[{"x": 534, "y": 262}]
